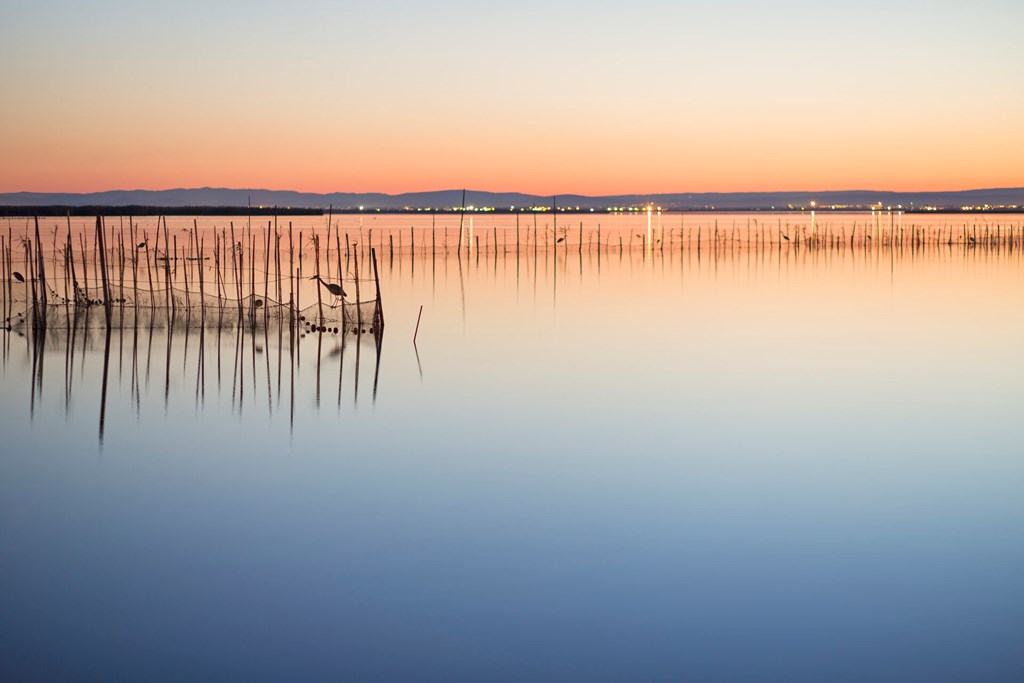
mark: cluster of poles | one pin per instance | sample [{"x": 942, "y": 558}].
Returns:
[
  {"x": 255, "y": 275},
  {"x": 755, "y": 234},
  {"x": 127, "y": 268}
]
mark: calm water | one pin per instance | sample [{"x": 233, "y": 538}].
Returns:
[{"x": 660, "y": 463}]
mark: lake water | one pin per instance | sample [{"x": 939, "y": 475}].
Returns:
[{"x": 753, "y": 460}]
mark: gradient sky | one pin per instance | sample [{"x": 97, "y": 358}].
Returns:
[{"x": 559, "y": 96}]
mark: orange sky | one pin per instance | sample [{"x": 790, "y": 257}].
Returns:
[{"x": 707, "y": 98}]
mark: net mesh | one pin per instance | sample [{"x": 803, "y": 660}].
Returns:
[{"x": 179, "y": 307}]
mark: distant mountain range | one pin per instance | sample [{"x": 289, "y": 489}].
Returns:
[{"x": 1006, "y": 198}]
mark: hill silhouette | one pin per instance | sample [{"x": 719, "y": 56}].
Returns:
[{"x": 448, "y": 199}]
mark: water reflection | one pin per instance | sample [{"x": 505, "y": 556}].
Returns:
[
  {"x": 709, "y": 459},
  {"x": 259, "y": 363}
]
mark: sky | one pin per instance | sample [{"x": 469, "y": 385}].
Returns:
[{"x": 560, "y": 96}]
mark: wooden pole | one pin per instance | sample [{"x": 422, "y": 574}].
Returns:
[
  {"x": 359, "y": 310},
  {"x": 319, "y": 298},
  {"x": 41, "y": 276},
  {"x": 103, "y": 268},
  {"x": 378, "y": 310}
]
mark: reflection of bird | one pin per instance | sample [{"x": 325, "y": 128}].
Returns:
[
  {"x": 18, "y": 276},
  {"x": 334, "y": 289}
]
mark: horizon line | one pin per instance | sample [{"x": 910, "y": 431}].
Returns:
[{"x": 521, "y": 192}]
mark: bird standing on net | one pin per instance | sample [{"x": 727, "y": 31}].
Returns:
[{"x": 334, "y": 289}]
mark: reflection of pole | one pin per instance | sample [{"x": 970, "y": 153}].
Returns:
[
  {"x": 167, "y": 364},
  {"x": 291, "y": 381},
  {"x": 355, "y": 389},
  {"x": 103, "y": 390},
  {"x": 202, "y": 365},
  {"x": 462, "y": 293},
  {"x": 378, "y": 342},
  {"x": 319, "y": 345},
  {"x": 414, "y": 334},
  {"x": 266, "y": 355},
  {"x": 68, "y": 368},
  {"x": 38, "y": 338},
  {"x": 341, "y": 361}
]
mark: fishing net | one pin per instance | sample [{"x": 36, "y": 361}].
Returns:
[{"x": 182, "y": 308}]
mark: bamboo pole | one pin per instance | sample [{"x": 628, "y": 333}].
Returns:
[
  {"x": 31, "y": 290},
  {"x": 378, "y": 309},
  {"x": 167, "y": 273},
  {"x": 202, "y": 284},
  {"x": 103, "y": 269},
  {"x": 319, "y": 295},
  {"x": 359, "y": 310},
  {"x": 292, "y": 300}
]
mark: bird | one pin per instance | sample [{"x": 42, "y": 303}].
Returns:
[
  {"x": 785, "y": 237},
  {"x": 559, "y": 240},
  {"x": 334, "y": 289},
  {"x": 18, "y": 276}
]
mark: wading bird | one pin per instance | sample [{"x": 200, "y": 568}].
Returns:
[{"x": 334, "y": 289}]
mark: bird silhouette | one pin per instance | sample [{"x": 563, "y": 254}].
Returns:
[
  {"x": 18, "y": 276},
  {"x": 334, "y": 289}
]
